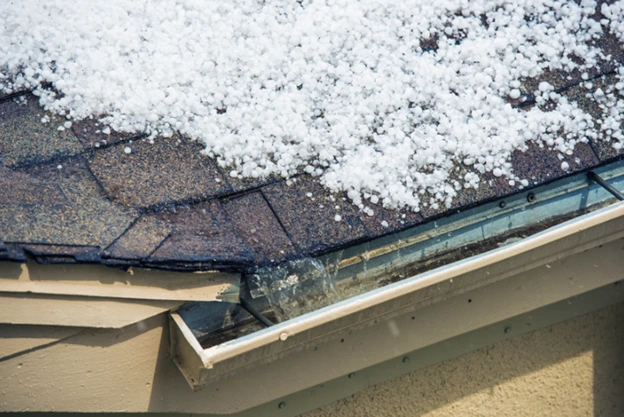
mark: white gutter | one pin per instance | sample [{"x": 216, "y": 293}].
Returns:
[{"x": 207, "y": 366}]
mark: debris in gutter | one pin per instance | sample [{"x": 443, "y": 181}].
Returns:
[{"x": 296, "y": 287}]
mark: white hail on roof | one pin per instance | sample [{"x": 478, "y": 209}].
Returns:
[{"x": 342, "y": 89}]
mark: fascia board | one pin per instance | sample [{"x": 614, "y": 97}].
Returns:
[
  {"x": 102, "y": 281},
  {"x": 71, "y": 311}
]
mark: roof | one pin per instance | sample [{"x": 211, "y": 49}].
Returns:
[{"x": 76, "y": 195}]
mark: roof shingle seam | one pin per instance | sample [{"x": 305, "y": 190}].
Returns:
[
  {"x": 529, "y": 98},
  {"x": 10, "y": 96},
  {"x": 279, "y": 221}
]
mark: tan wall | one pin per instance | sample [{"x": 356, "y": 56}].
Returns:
[{"x": 575, "y": 368}]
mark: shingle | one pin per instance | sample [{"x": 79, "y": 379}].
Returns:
[
  {"x": 245, "y": 184},
  {"x": 140, "y": 240},
  {"x": 84, "y": 217},
  {"x": 165, "y": 172},
  {"x": 13, "y": 252},
  {"x": 202, "y": 233},
  {"x": 89, "y": 132},
  {"x": 385, "y": 221},
  {"x": 62, "y": 253},
  {"x": 307, "y": 212},
  {"x": 490, "y": 187},
  {"x": 24, "y": 139},
  {"x": 579, "y": 94},
  {"x": 19, "y": 188},
  {"x": 609, "y": 43},
  {"x": 65, "y": 215},
  {"x": 562, "y": 80},
  {"x": 10, "y": 96},
  {"x": 536, "y": 164},
  {"x": 254, "y": 221},
  {"x": 540, "y": 165},
  {"x": 558, "y": 79}
]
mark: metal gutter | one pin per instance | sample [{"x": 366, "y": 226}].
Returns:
[
  {"x": 508, "y": 265},
  {"x": 376, "y": 263},
  {"x": 570, "y": 195}
]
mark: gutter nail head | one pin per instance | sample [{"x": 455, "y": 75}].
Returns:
[
  {"x": 507, "y": 329},
  {"x": 405, "y": 359},
  {"x": 283, "y": 337},
  {"x": 282, "y": 404},
  {"x": 351, "y": 375}
]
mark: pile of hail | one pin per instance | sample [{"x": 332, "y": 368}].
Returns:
[{"x": 381, "y": 99}]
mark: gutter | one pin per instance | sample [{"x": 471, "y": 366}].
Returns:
[{"x": 370, "y": 328}]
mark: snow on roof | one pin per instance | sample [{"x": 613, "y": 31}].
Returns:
[{"x": 381, "y": 99}]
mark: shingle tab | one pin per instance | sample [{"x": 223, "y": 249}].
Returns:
[
  {"x": 613, "y": 51},
  {"x": 385, "y": 221},
  {"x": 584, "y": 97},
  {"x": 83, "y": 217},
  {"x": 202, "y": 233},
  {"x": 254, "y": 220},
  {"x": 540, "y": 164},
  {"x": 140, "y": 240},
  {"x": 307, "y": 212},
  {"x": 13, "y": 252},
  {"x": 24, "y": 139},
  {"x": 536, "y": 164},
  {"x": 165, "y": 172},
  {"x": 245, "y": 184},
  {"x": 490, "y": 187},
  {"x": 19, "y": 188},
  {"x": 62, "y": 253},
  {"x": 89, "y": 132}
]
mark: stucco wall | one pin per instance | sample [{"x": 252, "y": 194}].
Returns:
[{"x": 575, "y": 368}]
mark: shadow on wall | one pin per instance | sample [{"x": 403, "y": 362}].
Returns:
[
  {"x": 608, "y": 360},
  {"x": 572, "y": 368}
]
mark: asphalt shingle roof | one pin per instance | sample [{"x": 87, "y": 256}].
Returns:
[{"x": 165, "y": 205}]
